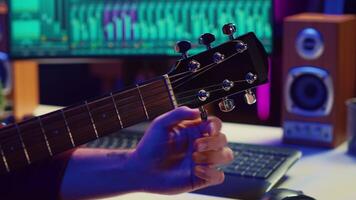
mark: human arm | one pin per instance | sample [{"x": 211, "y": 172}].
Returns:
[
  {"x": 40, "y": 180},
  {"x": 178, "y": 153}
]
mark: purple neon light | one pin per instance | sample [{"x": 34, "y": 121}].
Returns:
[{"x": 264, "y": 98}]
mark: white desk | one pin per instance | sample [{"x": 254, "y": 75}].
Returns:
[{"x": 322, "y": 174}]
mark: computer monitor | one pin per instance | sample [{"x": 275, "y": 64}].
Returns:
[{"x": 93, "y": 28}]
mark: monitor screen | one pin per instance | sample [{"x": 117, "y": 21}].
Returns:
[{"x": 87, "y": 28}]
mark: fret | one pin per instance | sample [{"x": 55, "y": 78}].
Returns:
[
  {"x": 68, "y": 129},
  {"x": 12, "y": 148},
  {"x": 92, "y": 120},
  {"x": 23, "y": 145},
  {"x": 129, "y": 106},
  {"x": 45, "y": 137},
  {"x": 117, "y": 111},
  {"x": 4, "y": 167},
  {"x": 33, "y": 139},
  {"x": 57, "y": 134},
  {"x": 143, "y": 103},
  {"x": 104, "y": 116},
  {"x": 170, "y": 90},
  {"x": 80, "y": 123},
  {"x": 157, "y": 98}
]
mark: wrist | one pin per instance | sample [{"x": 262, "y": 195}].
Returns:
[
  {"x": 127, "y": 170},
  {"x": 98, "y": 173},
  {"x": 142, "y": 177}
]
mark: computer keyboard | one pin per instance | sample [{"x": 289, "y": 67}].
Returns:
[
  {"x": 254, "y": 170},
  {"x": 255, "y": 161}
]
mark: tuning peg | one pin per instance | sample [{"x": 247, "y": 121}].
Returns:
[
  {"x": 229, "y": 30},
  {"x": 226, "y": 105},
  {"x": 250, "y": 78},
  {"x": 250, "y": 97},
  {"x": 218, "y": 57},
  {"x": 203, "y": 95},
  {"x": 227, "y": 85},
  {"x": 183, "y": 47},
  {"x": 240, "y": 46},
  {"x": 206, "y": 39},
  {"x": 193, "y": 66}
]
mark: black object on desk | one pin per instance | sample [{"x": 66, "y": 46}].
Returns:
[
  {"x": 285, "y": 194},
  {"x": 255, "y": 169}
]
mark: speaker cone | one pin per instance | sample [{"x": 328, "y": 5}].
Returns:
[{"x": 309, "y": 91}]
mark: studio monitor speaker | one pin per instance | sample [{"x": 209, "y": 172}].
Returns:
[{"x": 318, "y": 72}]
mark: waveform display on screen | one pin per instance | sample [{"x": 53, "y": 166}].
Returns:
[{"x": 79, "y": 28}]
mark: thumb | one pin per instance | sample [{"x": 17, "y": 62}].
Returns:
[{"x": 176, "y": 116}]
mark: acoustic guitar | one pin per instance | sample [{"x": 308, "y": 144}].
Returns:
[{"x": 193, "y": 81}]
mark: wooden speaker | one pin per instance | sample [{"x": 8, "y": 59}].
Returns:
[{"x": 318, "y": 72}]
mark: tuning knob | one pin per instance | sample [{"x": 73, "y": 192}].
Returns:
[
  {"x": 250, "y": 78},
  {"x": 250, "y": 97},
  {"x": 203, "y": 95},
  {"x": 183, "y": 47},
  {"x": 206, "y": 39},
  {"x": 227, "y": 85},
  {"x": 240, "y": 46},
  {"x": 229, "y": 30},
  {"x": 218, "y": 57},
  {"x": 193, "y": 66},
  {"x": 227, "y": 105}
]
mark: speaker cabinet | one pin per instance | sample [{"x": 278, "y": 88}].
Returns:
[{"x": 318, "y": 72}]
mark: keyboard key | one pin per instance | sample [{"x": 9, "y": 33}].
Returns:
[{"x": 263, "y": 173}]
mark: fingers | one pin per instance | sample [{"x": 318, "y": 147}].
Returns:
[
  {"x": 203, "y": 128},
  {"x": 219, "y": 157},
  {"x": 176, "y": 116},
  {"x": 211, "y": 175},
  {"x": 215, "y": 125},
  {"x": 210, "y": 143}
]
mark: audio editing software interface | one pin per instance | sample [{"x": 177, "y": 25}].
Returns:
[{"x": 79, "y": 28}]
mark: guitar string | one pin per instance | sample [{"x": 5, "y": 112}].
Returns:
[
  {"x": 188, "y": 73},
  {"x": 204, "y": 70},
  {"x": 195, "y": 75},
  {"x": 195, "y": 90},
  {"x": 204, "y": 67},
  {"x": 117, "y": 102},
  {"x": 79, "y": 116},
  {"x": 187, "y": 102},
  {"x": 74, "y": 117},
  {"x": 12, "y": 138}
]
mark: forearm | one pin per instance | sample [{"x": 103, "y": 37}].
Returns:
[{"x": 98, "y": 172}]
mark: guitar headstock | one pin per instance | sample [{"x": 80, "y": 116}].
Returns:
[{"x": 209, "y": 76}]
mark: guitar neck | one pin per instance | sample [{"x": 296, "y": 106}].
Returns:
[{"x": 47, "y": 135}]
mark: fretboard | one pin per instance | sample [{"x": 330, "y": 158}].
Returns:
[{"x": 47, "y": 135}]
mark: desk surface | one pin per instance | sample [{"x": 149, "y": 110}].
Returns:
[{"x": 321, "y": 173}]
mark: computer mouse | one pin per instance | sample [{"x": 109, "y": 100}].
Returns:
[{"x": 285, "y": 194}]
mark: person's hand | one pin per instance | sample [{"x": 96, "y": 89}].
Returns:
[{"x": 180, "y": 153}]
